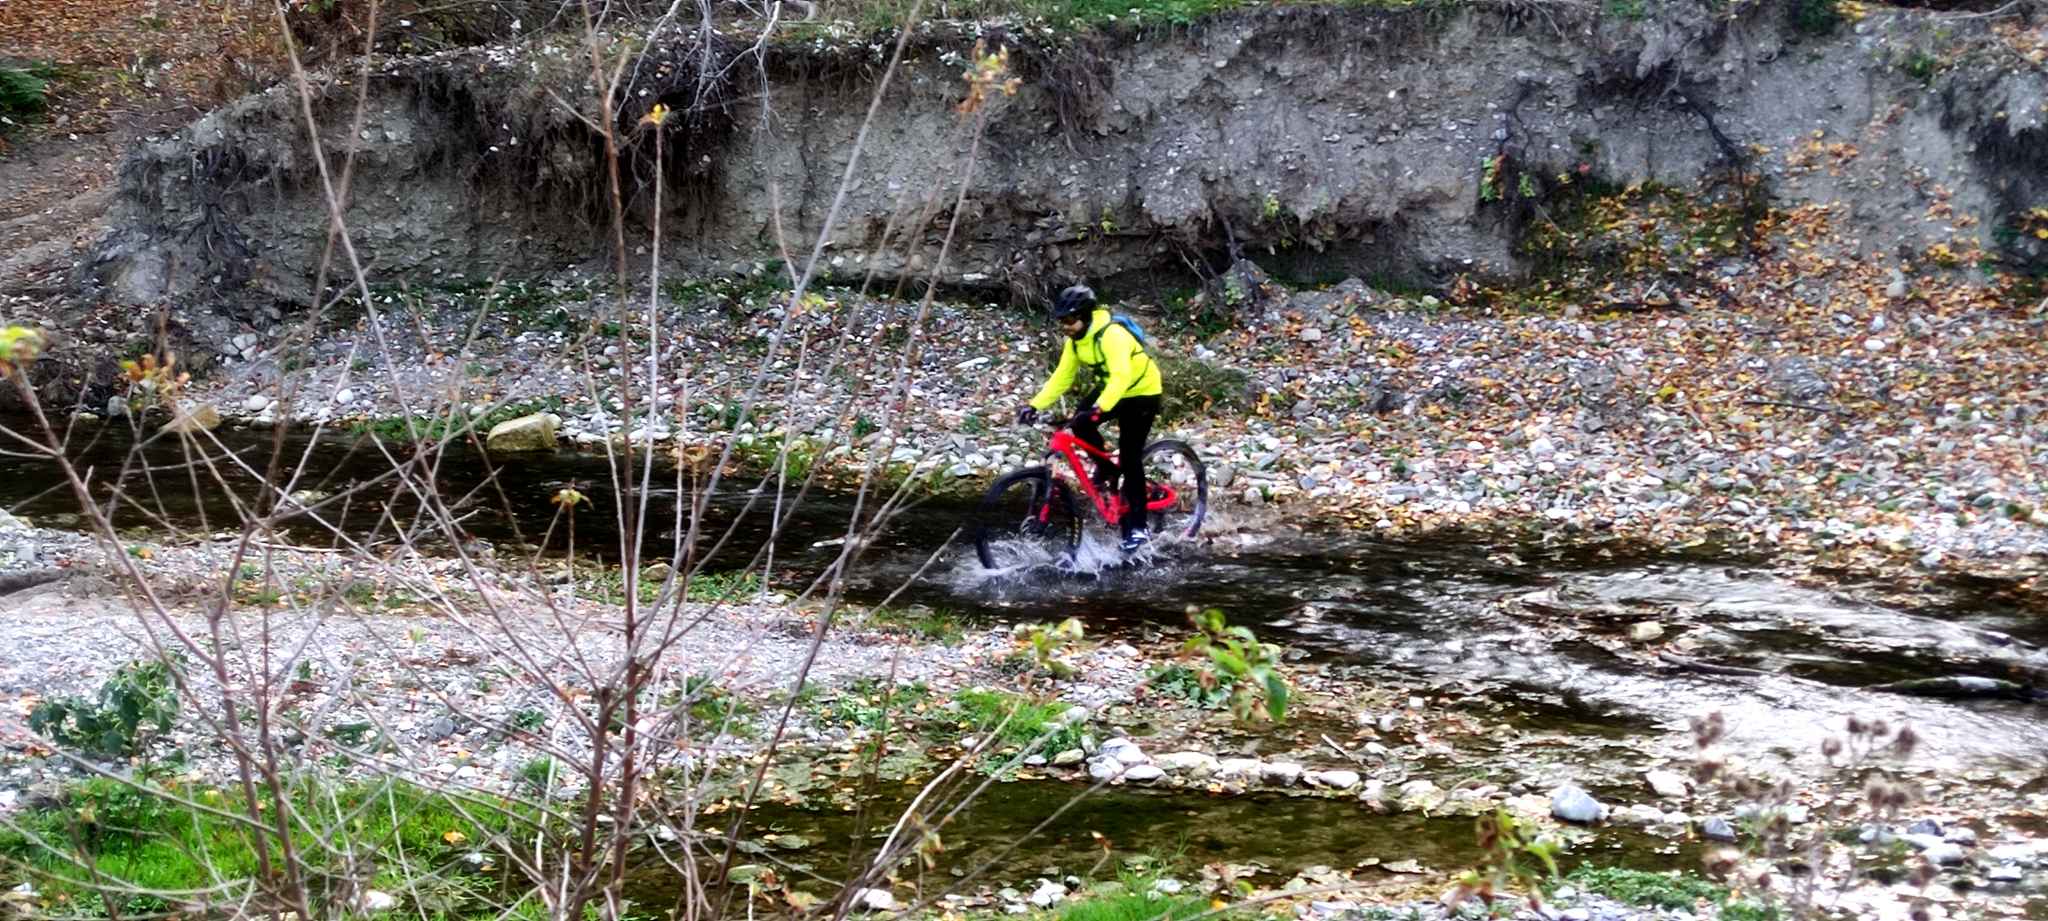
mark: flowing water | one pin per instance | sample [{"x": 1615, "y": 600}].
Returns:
[{"x": 1544, "y": 639}]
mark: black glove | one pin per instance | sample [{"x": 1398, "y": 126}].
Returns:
[
  {"x": 1089, "y": 413},
  {"x": 1027, "y": 416}
]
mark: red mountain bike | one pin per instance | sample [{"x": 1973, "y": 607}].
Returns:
[{"x": 1031, "y": 515}]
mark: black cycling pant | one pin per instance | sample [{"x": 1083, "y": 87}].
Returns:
[{"x": 1133, "y": 417}]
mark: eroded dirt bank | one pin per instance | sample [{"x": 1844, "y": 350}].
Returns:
[{"x": 1322, "y": 142}]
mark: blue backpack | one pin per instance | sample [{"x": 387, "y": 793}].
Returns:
[{"x": 1126, "y": 323}]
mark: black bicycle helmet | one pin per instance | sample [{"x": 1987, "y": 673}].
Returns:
[{"x": 1077, "y": 300}]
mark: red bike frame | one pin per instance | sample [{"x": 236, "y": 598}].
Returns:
[{"x": 1065, "y": 442}]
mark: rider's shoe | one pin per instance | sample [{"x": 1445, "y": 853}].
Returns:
[{"x": 1134, "y": 539}]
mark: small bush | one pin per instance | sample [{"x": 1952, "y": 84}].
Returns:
[
  {"x": 1817, "y": 17},
  {"x": 136, "y": 704},
  {"x": 1195, "y": 388},
  {"x": 22, "y": 92}
]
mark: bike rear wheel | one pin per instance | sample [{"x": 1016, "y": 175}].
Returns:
[
  {"x": 1171, "y": 464},
  {"x": 1028, "y": 516}
]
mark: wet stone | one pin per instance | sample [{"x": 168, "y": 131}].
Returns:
[
  {"x": 1667, "y": 784},
  {"x": 1124, "y": 751},
  {"x": 1193, "y": 764},
  {"x": 1280, "y": 774},
  {"x": 1338, "y": 780},
  {"x": 1569, "y": 803},
  {"x": 1944, "y": 854}
]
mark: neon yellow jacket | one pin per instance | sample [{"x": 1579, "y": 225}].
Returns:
[{"x": 1117, "y": 359}]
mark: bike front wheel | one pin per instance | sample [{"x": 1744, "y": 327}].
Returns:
[
  {"x": 1027, "y": 517},
  {"x": 1176, "y": 488}
]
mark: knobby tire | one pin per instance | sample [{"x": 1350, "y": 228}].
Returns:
[{"x": 1027, "y": 508}]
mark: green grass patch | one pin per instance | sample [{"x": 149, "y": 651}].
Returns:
[
  {"x": 152, "y": 848},
  {"x": 921, "y": 621},
  {"x": 723, "y": 586},
  {"x": 867, "y": 703},
  {"x": 1132, "y": 903},
  {"x": 1668, "y": 891},
  {"x": 447, "y": 427},
  {"x": 606, "y": 584},
  {"x": 1018, "y": 721}
]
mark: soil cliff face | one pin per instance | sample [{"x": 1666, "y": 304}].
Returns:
[{"x": 1318, "y": 142}]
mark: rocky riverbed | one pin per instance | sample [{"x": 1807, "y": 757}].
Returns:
[
  {"x": 1833, "y": 446},
  {"x": 1892, "y": 431}
]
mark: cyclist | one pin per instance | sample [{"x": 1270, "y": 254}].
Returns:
[{"x": 1127, "y": 392}]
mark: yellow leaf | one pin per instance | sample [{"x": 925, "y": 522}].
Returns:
[{"x": 454, "y": 837}]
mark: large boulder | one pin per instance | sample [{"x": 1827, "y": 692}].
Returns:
[{"x": 524, "y": 434}]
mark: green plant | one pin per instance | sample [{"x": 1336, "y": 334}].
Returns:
[
  {"x": 160, "y": 840},
  {"x": 1134, "y": 900},
  {"x": 531, "y": 719},
  {"x": 1234, "y": 660},
  {"x": 919, "y": 620},
  {"x": 23, "y": 91},
  {"x": 1921, "y": 64},
  {"x": 1187, "y": 684},
  {"x": 710, "y": 705},
  {"x": 1667, "y": 890},
  {"x": 865, "y": 703},
  {"x": 1043, "y": 643},
  {"x": 1195, "y": 387},
  {"x": 1018, "y": 722},
  {"x": 135, "y": 705},
  {"x": 1815, "y": 16},
  {"x": 1513, "y": 854},
  {"x": 722, "y": 586}
]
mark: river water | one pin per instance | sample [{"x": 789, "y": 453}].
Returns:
[{"x": 1544, "y": 636}]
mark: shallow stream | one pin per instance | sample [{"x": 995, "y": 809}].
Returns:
[{"x": 1544, "y": 642}]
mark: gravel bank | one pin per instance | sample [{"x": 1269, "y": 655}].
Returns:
[{"x": 1893, "y": 435}]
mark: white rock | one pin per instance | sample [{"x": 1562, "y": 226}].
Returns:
[
  {"x": 876, "y": 900},
  {"x": 1338, "y": 780},
  {"x": 1944, "y": 854},
  {"x": 1639, "y": 815},
  {"x": 1422, "y": 795},
  {"x": 1047, "y": 893},
  {"x": 1238, "y": 768},
  {"x": 374, "y": 900},
  {"x": 1143, "y": 773},
  {"x": 1280, "y": 774},
  {"x": 1193, "y": 764},
  {"x": 1124, "y": 750},
  {"x": 1667, "y": 784}
]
